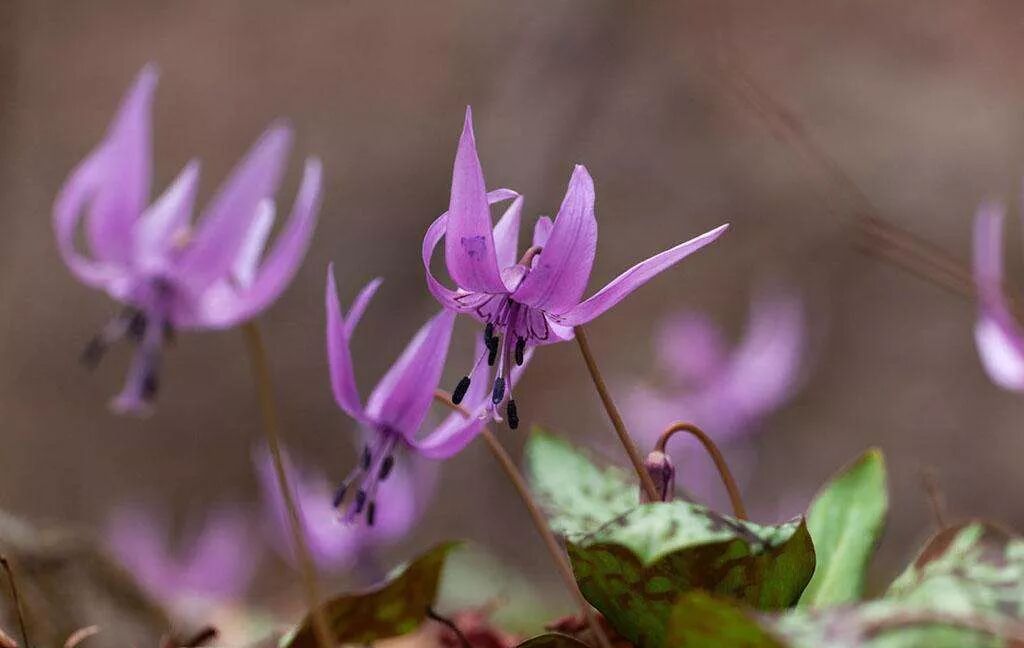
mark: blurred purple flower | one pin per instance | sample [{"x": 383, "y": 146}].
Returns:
[
  {"x": 724, "y": 391},
  {"x": 216, "y": 565},
  {"x": 999, "y": 336},
  {"x": 169, "y": 274},
  {"x": 536, "y": 300},
  {"x": 398, "y": 406},
  {"x": 336, "y": 546}
]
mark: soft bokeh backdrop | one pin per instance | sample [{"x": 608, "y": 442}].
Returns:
[{"x": 919, "y": 102}]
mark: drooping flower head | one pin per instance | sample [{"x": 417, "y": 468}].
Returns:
[
  {"x": 398, "y": 406},
  {"x": 534, "y": 299},
  {"x": 216, "y": 565},
  {"x": 998, "y": 334},
  {"x": 168, "y": 273},
  {"x": 334, "y": 546},
  {"x": 726, "y": 391}
]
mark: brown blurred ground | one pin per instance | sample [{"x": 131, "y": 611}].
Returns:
[{"x": 920, "y": 102}]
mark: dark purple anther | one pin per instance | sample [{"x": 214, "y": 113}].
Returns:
[
  {"x": 499, "y": 390},
  {"x": 460, "y": 390},
  {"x": 520, "y": 351},
  {"x": 512, "y": 414},
  {"x": 385, "y": 467},
  {"x": 360, "y": 501}
]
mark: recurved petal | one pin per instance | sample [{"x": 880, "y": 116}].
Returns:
[
  {"x": 70, "y": 206},
  {"x": 225, "y": 222},
  {"x": 339, "y": 356},
  {"x": 165, "y": 223},
  {"x": 635, "y": 277},
  {"x": 123, "y": 192},
  {"x": 223, "y": 559},
  {"x": 403, "y": 396},
  {"x": 765, "y": 369},
  {"x": 469, "y": 242},
  {"x": 444, "y": 295},
  {"x": 561, "y": 271},
  {"x": 1000, "y": 343}
]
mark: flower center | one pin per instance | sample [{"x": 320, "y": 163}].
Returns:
[
  {"x": 148, "y": 329},
  {"x": 375, "y": 465}
]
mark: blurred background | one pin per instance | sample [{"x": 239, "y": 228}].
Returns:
[{"x": 918, "y": 102}]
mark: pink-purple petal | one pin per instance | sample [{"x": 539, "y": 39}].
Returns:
[
  {"x": 445, "y": 296},
  {"x": 765, "y": 369},
  {"x": 506, "y": 234},
  {"x": 123, "y": 193},
  {"x": 633, "y": 278},
  {"x": 469, "y": 242},
  {"x": 560, "y": 275},
  {"x": 223, "y": 226},
  {"x": 541, "y": 233},
  {"x": 68, "y": 210},
  {"x": 165, "y": 223},
  {"x": 339, "y": 356},
  {"x": 403, "y": 396},
  {"x": 1001, "y": 349}
]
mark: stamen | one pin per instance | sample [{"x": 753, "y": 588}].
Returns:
[
  {"x": 360, "y": 501},
  {"x": 488, "y": 333},
  {"x": 520, "y": 351},
  {"x": 367, "y": 456},
  {"x": 512, "y": 414},
  {"x": 137, "y": 325},
  {"x": 339, "y": 495},
  {"x": 499, "y": 390},
  {"x": 93, "y": 352},
  {"x": 385, "y": 468},
  {"x": 460, "y": 390},
  {"x": 371, "y": 513},
  {"x": 492, "y": 353},
  {"x": 150, "y": 386}
]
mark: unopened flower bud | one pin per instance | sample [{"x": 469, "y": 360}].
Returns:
[{"x": 663, "y": 474}]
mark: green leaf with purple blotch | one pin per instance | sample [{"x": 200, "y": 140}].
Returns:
[
  {"x": 394, "y": 608},
  {"x": 635, "y": 567}
]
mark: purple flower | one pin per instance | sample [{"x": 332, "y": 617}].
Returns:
[
  {"x": 999, "y": 336},
  {"x": 169, "y": 273},
  {"x": 537, "y": 299},
  {"x": 724, "y": 391},
  {"x": 335, "y": 546},
  {"x": 217, "y": 564},
  {"x": 398, "y": 406}
]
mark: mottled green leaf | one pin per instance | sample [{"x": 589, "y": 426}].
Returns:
[
  {"x": 552, "y": 640},
  {"x": 974, "y": 566},
  {"x": 394, "y": 608},
  {"x": 845, "y": 521},
  {"x": 635, "y": 567},
  {"x": 578, "y": 496},
  {"x": 964, "y": 590},
  {"x": 698, "y": 619}
]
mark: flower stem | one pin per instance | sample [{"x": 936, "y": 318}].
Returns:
[
  {"x": 738, "y": 509},
  {"x": 268, "y": 409},
  {"x": 17, "y": 600},
  {"x": 539, "y": 521},
  {"x": 613, "y": 414}
]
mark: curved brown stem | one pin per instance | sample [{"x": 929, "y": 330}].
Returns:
[
  {"x": 735, "y": 498},
  {"x": 613, "y": 413},
  {"x": 539, "y": 521},
  {"x": 268, "y": 409}
]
